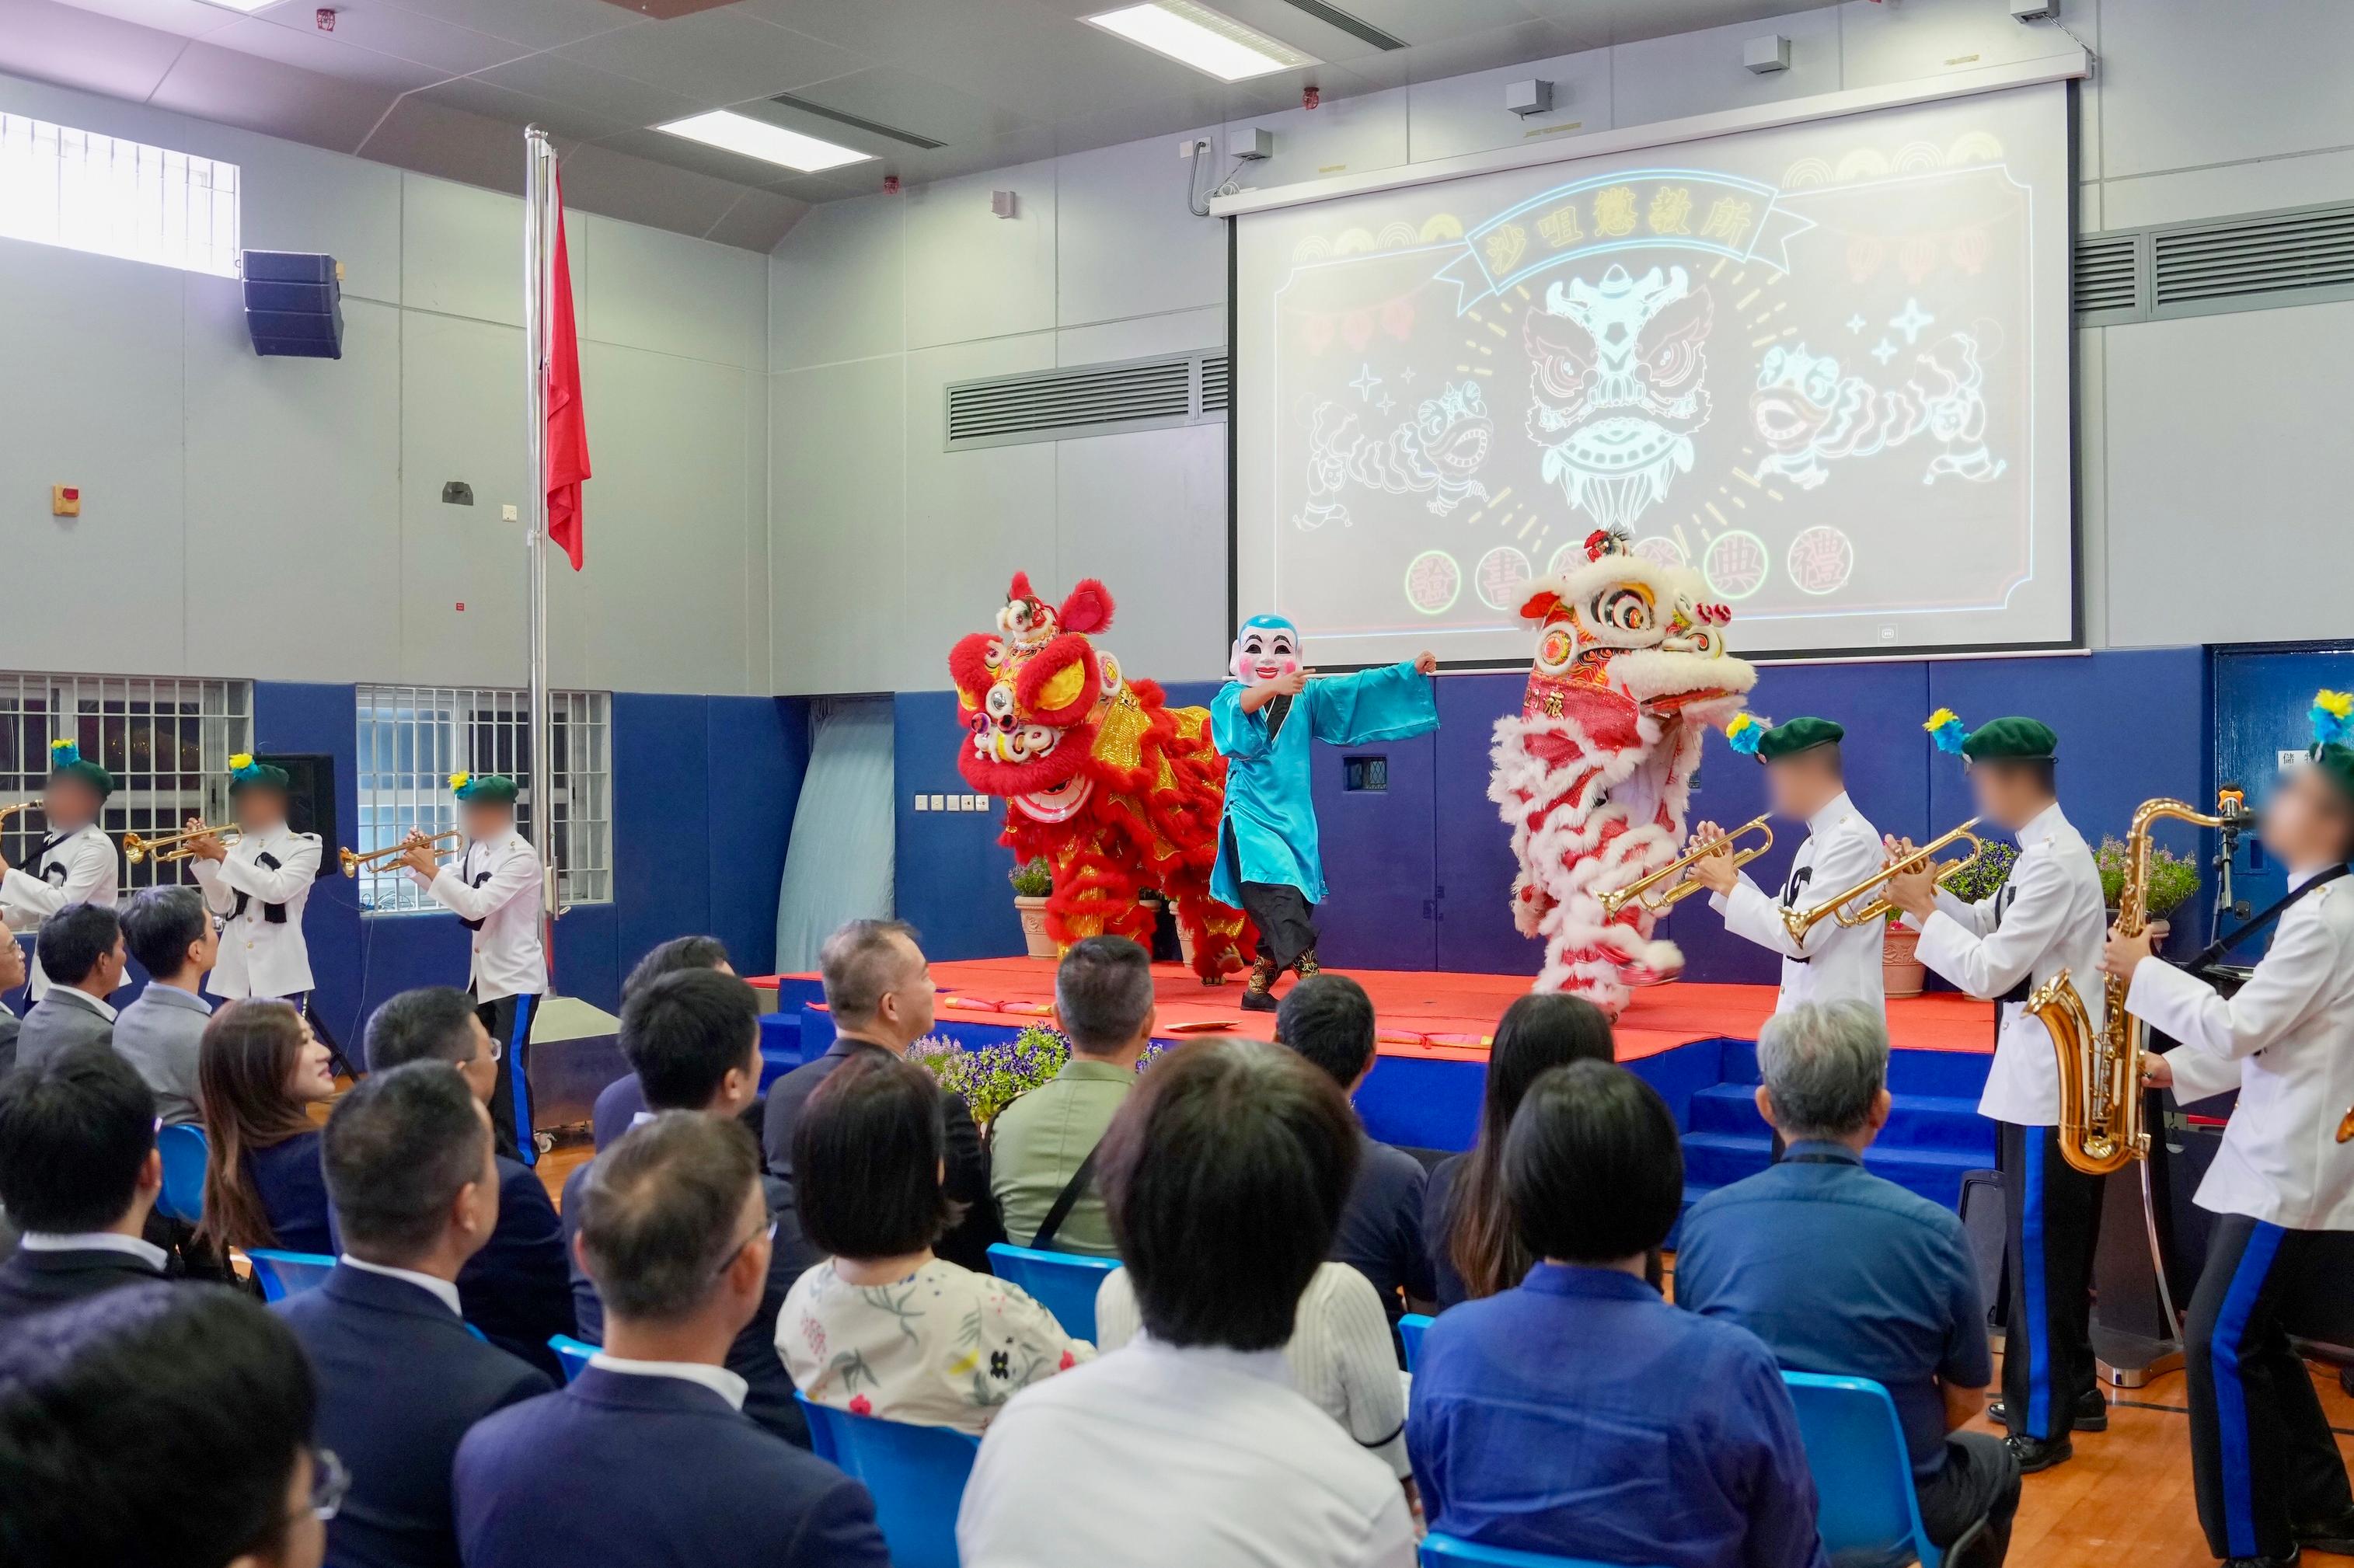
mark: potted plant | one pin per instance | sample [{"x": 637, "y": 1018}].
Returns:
[
  {"x": 1901, "y": 971},
  {"x": 1033, "y": 881},
  {"x": 2173, "y": 878},
  {"x": 988, "y": 1078}
]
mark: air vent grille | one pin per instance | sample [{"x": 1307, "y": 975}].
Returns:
[
  {"x": 2246, "y": 262},
  {"x": 2108, "y": 276},
  {"x": 857, "y": 122},
  {"x": 1087, "y": 400}
]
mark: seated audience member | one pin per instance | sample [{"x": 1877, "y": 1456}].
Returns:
[
  {"x": 408, "y": 1156},
  {"x": 621, "y": 1102},
  {"x": 645, "y": 1459},
  {"x": 1225, "y": 1172},
  {"x": 1839, "y": 1271},
  {"x": 161, "y": 1427},
  {"x": 1329, "y": 1019},
  {"x": 517, "y": 1289},
  {"x": 80, "y": 949},
  {"x": 170, "y": 932},
  {"x": 1038, "y": 1145},
  {"x": 882, "y": 1327},
  {"x": 1578, "y": 1412},
  {"x": 695, "y": 1037},
  {"x": 260, "y": 1072},
  {"x": 14, "y": 972},
  {"x": 79, "y": 1172},
  {"x": 878, "y": 988},
  {"x": 1475, "y": 1250}
]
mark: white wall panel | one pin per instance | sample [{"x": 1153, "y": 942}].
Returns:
[
  {"x": 462, "y": 251},
  {"x": 651, "y": 288},
  {"x": 972, "y": 274},
  {"x": 837, "y": 286},
  {"x": 1920, "y": 39},
  {"x": 1174, "y": 331},
  {"x": 838, "y": 502},
  {"x": 1695, "y": 73},
  {"x": 1461, "y": 114},
  {"x": 1146, "y": 513},
  {"x": 2186, "y": 83},
  {"x": 1342, "y": 135},
  {"x": 1127, "y": 245}
]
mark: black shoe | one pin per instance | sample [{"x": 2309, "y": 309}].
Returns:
[
  {"x": 2091, "y": 1415},
  {"x": 2334, "y": 1536},
  {"x": 2289, "y": 1561},
  {"x": 2034, "y": 1453},
  {"x": 1256, "y": 1001}
]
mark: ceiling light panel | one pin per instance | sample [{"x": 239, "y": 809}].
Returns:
[
  {"x": 758, "y": 139},
  {"x": 1208, "y": 40}
]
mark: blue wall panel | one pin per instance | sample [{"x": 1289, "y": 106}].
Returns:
[
  {"x": 950, "y": 872},
  {"x": 1475, "y": 848},
  {"x": 303, "y": 717},
  {"x": 661, "y": 818},
  {"x": 2261, "y": 699},
  {"x": 759, "y": 753}
]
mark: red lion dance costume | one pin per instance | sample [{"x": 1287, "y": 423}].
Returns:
[
  {"x": 1593, "y": 773},
  {"x": 1119, "y": 791}
]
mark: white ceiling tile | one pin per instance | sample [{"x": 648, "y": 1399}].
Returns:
[
  {"x": 238, "y": 88},
  {"x": 618, "y": 185},
  {"x": 906, "y": 100},
  {"x": 715, "y": 56},
  {"x": 84, "y": 48},
  {"x": 876, "y": 28},
  {"x": 591, "y": 92},
  {"x": 188, "y": 18},
  {"x": 542, "y": 24},
  {"x": 437, "y": 138},
  {"x": 476, "y": 96},
  {"x": 758, "y": 221},
  {"x": 314, "y": 51},
  {"x": 387, "y": 29}
]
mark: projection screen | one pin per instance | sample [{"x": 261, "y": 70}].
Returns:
[{"x": 1824, "y": 364}]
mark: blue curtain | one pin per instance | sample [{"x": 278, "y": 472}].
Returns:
[{"x": 839, "y": 864}]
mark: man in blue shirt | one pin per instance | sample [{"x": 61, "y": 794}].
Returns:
[
  {"x": 1843, "y": 1273},
  {"x": 1581, "y": 1414}
]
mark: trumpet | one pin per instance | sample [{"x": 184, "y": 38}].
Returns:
[
  {"x": 176, "y": 846},
  {"x": 355, "y": 862},
  {"x": 1797, "y": 923},
  {"x": 1639, "y": 890}
]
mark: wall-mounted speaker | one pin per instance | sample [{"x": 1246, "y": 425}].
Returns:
[{"x": 295, "y": 303}]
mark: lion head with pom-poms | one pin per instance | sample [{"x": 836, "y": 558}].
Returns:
[
  {"x": 1120, "y": 792},
  {"x": 1593, "y": 773}
]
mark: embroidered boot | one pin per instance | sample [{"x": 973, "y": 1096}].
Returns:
[{"x": 1258, "y": 992}]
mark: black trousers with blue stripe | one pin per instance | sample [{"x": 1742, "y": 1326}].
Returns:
[
  {"x": 2263, "y": 1457},
  {"x": 508, "y": 1019},
  {"x": 2053, "y": 1212}
]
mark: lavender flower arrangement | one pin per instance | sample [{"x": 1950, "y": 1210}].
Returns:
[
  {"x": 1980, "y": 881},
  {"x": 992, "y": 1077}
]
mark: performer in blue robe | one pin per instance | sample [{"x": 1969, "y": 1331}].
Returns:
[{"x": 1268, "y": 866}]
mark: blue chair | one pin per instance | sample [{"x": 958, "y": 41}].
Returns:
[
  {"x": 284, "y": 1274},
  {"x": 186, "y": 1154},
  {"x": 1446, "y": 1551},
  {"x": 1410, "y": 1330},
  {"x": 1064, "y": 1283},
  {"x": 573, "y": 1354},
  {"x": 915, "y": 1474},
  {"x": 1866, "y": 1506}
]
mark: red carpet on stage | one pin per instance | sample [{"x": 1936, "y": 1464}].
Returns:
[{"x": 1449, "y": 1015}]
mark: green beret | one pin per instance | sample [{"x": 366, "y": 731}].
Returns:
[
  {"x": 66, "y": 761},
  {"x": 245, "y": 773},
  {"x": 492, "y": 786},
  {"x": 1793, "y": 736},
  {"x": 2336, "y": 760},
  {"x": 2011, "y": 740}
]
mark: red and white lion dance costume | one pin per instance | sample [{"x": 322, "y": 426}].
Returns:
[
  {"x": 1593, "y": 773},
  {"x": 1118, "y": 790}
]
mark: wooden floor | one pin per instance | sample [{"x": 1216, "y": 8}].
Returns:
[{"x": 2125, "y": 1498}]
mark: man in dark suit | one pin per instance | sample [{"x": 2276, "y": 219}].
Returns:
[
  {"x": 1329, "y": 1019},
  {"x": 878, "y": 988},
  {"x": 518, "y": 1288},
  {"x": 79, "y": 1172},
  {"x": 695, "y": 1037},
  {"x": 621, "y": 1101},
  {"x": 673, "y": 1230},
  {"x": 80, "y": 949},
  {"x": 171, "y": 933},
  {"x": 408, "y": 1158}
]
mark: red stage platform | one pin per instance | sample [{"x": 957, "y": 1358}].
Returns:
[{"x": 1450, "y": 1016}]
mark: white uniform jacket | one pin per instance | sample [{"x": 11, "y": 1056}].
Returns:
[
  {"x": 2048, "y": 915},
  {"x": 259, "y": 890},
  {"x": 1835, "y": 963},
  {"x": 79, "y": 867},
  {"x": 2287, "y": 1042},
  {"x": 495, "y": 888}
]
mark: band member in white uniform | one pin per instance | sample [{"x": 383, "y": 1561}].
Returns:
[
  {"x": 1804, "y": 782},
  {"x": 77, "y": 863},
  {"x": 2266, "y": 1467},
  {"x": 259, "y": 887},
  {"x": 494, "y": 886},
  {"x": 2048, "y": 915}
]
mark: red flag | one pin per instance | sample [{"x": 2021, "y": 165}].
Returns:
[{"x": 568, "y": 428}]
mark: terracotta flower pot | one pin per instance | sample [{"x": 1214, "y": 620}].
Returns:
[
  {"x": 1033, "y": 914},
  {"x": 1900, "y": 971}
]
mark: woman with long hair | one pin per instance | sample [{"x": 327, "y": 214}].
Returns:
[
  {"x": 259, "y": 1071},
  {"x": 1475, "y": 1248}
]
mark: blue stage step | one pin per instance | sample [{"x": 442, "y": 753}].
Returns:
[
  {"x": 1713, "y": 1159},
  {"x": 1932, "y": 1122}
]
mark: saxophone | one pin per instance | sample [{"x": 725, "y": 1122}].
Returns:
[{"x": 2100, "y": 1071}]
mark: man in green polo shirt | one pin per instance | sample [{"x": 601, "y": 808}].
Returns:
[{"x": 1103, "y": 993}]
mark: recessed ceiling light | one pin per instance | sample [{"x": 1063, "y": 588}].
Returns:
[
  {"x": 246, "y": 5},
  {"x": 1205, "y": 39},
  {"x": 758, "y": 139}
]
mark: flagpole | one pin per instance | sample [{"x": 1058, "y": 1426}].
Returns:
[{"x": 539, "y": 222}]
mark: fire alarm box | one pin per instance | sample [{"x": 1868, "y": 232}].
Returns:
[{"x": 65, "y": 500}]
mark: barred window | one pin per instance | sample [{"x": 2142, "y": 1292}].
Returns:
[
  {"x": 411, "y": 738},
  {"x": 167, "y": 743},
  {"x": 115, "y": 197}
]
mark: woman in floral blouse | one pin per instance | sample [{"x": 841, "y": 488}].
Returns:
[{"x": 882, "y": 1327}]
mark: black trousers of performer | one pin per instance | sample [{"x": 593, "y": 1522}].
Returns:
[
  {"x": 2053, "y": 1223},
  {"x": 1286, "y": 921},
  {"x": 509, "y": 1021},
  {"x": 2263, "y": 1457}
]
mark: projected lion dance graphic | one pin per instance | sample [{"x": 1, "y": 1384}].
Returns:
[
  {"x": 1118, "y": 790},
  {"x": 1433, "y": 454},
  {"x": 1593, "y": 774}
]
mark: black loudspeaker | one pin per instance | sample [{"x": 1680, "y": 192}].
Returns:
[
  {"x": 311, "y": 799},
  {"x": 295, "y": 303}
]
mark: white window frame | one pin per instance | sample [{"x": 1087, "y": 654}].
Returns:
[
  {"x": 111, "y": 196},
  {"x": 128, "y": 724},
  {"x": 411, "y": 738}
]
